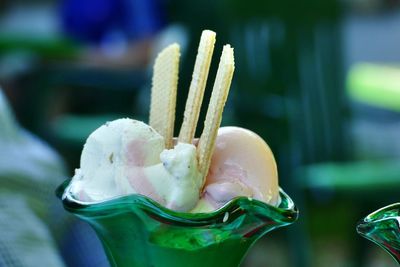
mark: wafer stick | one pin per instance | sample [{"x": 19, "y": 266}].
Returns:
[
  {"x": 215, "y": 108},
  {"x": 197, "y": 86},
  {"x": 163, "y": 93}
]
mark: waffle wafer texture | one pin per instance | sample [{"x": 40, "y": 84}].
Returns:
[
  {"x": 197, "y": 86},
  {"x": 163, "y": 93},
  {"x": 215, "y": 108}
]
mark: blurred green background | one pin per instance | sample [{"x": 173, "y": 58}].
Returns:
[{"x": 318, "y": 80}]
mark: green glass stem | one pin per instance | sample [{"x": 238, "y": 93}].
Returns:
[
  {"x": 382, "y": 228},
  {"x": 136, "y": 231}
]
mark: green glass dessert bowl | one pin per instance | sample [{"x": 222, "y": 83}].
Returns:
[
  {"x": 382, "y": 227},
  {"x": 138, "y": 232}
]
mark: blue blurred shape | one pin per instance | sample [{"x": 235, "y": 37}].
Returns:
[{"x": 95, "y": 20}]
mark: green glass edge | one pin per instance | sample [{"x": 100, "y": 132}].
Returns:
[
  {"x": 380, "y": 216},
  {"x": 286, "y": 211}
]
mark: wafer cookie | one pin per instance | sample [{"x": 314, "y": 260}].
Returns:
[
  {"x": 197, "y": 86},
  {"x": 163, "y": 93},
  {"x": 215, "y": 108}
]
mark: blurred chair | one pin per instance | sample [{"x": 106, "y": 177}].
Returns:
[{"x": 372, "y": 178}]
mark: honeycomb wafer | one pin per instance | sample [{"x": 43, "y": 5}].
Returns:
[
  {"x": 163, "y": 93},
  {"x": 215, "y": 108},
  {"x": 197, "y": 86}
]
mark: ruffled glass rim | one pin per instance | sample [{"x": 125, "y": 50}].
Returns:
[{"x": 285, "y": 213}]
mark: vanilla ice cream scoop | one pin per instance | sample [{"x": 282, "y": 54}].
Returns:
[
  {"x": 242, "y": 165},
  {"x": 129, "y": 157}
]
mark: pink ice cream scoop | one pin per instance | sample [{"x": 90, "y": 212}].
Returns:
[{"x": 242, "y": 165}]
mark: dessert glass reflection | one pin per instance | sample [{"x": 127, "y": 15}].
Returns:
[{"x": 382, "y": 228}]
